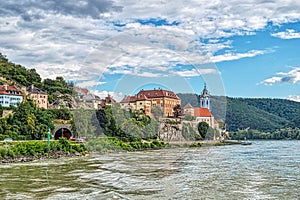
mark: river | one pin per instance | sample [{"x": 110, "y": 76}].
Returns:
[{"x": 263, "y": 170}]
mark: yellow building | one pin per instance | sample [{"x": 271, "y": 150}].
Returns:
[
  {"x": 39, "y": 97},
  {"x": 146, "y": 99}
]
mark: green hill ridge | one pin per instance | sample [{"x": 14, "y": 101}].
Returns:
[{"x": 263, "y": 114}]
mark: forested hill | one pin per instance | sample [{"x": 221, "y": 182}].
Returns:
[
  {"x": 11, "y": 73},
  {"x": 262, "y": 114}
]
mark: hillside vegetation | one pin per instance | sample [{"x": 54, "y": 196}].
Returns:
[
  {"x": 11, "y": 73},
  {"x": 261, "y": 114}
]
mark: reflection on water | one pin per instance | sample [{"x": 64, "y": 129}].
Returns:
[{"x": 263, "y": 170}]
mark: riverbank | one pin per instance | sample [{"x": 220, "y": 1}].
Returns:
[
  {"x": 111, "y": 144},
  {"x": 24, "y": 151},
  {"x": 203, "y": 143}
]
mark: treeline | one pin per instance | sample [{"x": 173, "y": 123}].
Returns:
[
  {"x": 279, "y": 134},
  {"x": 28, "y": 122},
  {"x": 21, "y": 76}
]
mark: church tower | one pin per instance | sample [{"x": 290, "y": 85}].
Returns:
[{"x": 205, "y": 98}]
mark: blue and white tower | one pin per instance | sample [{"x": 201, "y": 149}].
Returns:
[{"x": 205, "y": 98}]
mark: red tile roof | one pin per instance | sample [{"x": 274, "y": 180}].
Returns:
[
  {"x": 128, "y": 99},
  {"x": 158, "y": 93},
  {"x": 141, "y": 97},
  {"x": 145, "y": 94},
  {"x": 109, "y": 99},
  {"x": 202, "y": 112},
  {"x": 84, "y": 90},
  {"x": 5, "y": 90}
]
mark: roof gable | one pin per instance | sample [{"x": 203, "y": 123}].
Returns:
[{"x": 188, "y": 106}]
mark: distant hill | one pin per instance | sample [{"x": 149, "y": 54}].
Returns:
[{"x": 262, "y": 114}]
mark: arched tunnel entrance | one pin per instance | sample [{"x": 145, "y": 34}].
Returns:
[{"x": 63, "y": 132}]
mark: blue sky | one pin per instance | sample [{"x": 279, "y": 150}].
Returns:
[{"x": 239, "y": 49}]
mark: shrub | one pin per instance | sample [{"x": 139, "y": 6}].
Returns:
[{"x": 3, "y": 152}]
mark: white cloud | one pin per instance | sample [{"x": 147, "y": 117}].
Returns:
[
  {"x": 196, "y": 72},
  {"x": 271, "y": 81},
  {"x": 294, "y": 98},
  {"x": 236, "y": 56},
  {"x": 293, "y": 76},
  {"x": 89, "y": 83},
  {"x": 288, "y": 34},
  {"x": 56, "y": 36},
  {"x": 118, "y": 96}
]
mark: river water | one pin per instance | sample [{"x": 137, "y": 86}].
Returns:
[{"x": 263, "y": 170}]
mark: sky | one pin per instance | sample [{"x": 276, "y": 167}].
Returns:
[{"x": 236, "y": 48}]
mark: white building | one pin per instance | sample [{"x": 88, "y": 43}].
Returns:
[{"x": 10, "y": 95}]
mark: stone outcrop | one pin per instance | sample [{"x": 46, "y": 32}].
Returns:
[{"x": 170, "y": 130}]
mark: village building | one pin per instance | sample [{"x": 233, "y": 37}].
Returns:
[
  {"x": 202, "y": 113},
  {"x": 84, "y": 96},
  {"x": 107, "y": 101},
  {"x": 188, "y": 109},
  {"x": 39, "y": 97},
  {"x": 147, "y": 99},
  {"x": 10, "y": 96}
]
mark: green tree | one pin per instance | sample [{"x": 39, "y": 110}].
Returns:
[
  {"x": 177, "y": 111},
  {"x": 202, "y": 129},
  {"x": 157, "y": 112},
  {"x": 29, "y": 121},
  {"x": 189, "y": 133},
  {"x": 189, "y": 117}
]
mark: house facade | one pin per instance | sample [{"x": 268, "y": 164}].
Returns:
[
  {"x": 147, "y": 99},
  {"x": 188, "y": 109},
  {"x": 39, "y": 97},
  {"x": 10, "y": 95}
]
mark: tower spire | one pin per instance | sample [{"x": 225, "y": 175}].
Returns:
[{"x": 205, "y": 98}]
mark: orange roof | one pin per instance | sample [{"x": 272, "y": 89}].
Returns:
[{"x": 202, "y": 112}]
